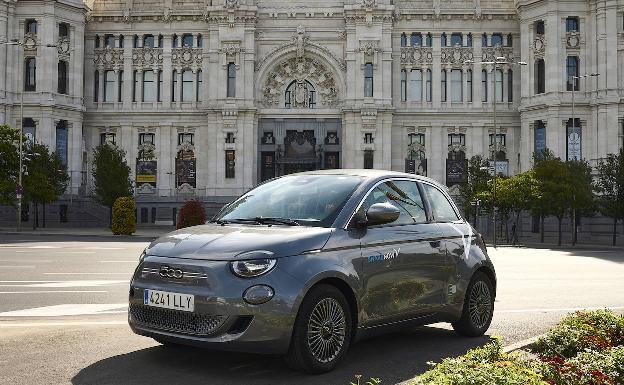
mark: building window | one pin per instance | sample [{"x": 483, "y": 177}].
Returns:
[
  {"x": 200, "y": 41},
  {"x": 429, "y": 40},
  {"x": 484, "y": 85},
  {"x": 403, "y": 40},
  {"x": 199, "y": 86},
  {"x": 403, "y": 85},
  {"x": 148, "y": 86},
  {"x": 145, "y": 138},
  {"x": 540, "y": 76},
  {"x": 174, "y": 85},
  {"x": 62, "y": 80},
  {"x": 30, "y": 80},
  {"x": 120, "y": 83},
  {"x": 161, "y": 41},
  {"x": 174, "y": 41},
  {"x": 469, "y": 84},
  {"x": 509, "y": 85},
  {"x": 457, "y": 85},
  {"x": 230, "y": 164},
  {"x": 135, "y": 41},
  {"x": 185, "y": 138},
  {"x": 443, "y": 41},
  {"x": 572, "y": 69},
  {"x": 428, "y": 86},
  {"x": 572, "y": 24},
  {"x": 159, "y": 88},
  {"x": 135, "y": 85},
  {"x": 31, "y": 26},
  {"x": 148, "y": 41},
  {"x": 509, "y": 40},
  {"x": 497, "y": 40},
  {"x": 305, "y": 89},
  {"x": 230, "y": 138},
  {"x": 457, "y": 39},
  {"x": 109, "y": 41},
  {"x": 187, "y": 86},
  {"x": 484, "y": 40},
  {"x": 499, "y": 85},
  {"x": 29, "y": 128},
  {"x": 416, "y": 85},
  {"x": 415, "y": 39},
  {"x": 96, "y": 41},
  {"x": 539, "y": 27},
  {"x": 621, "y": 134},
  {"x": 368, "y": 80},
  {"x": 539, "y": 140},
  {"x": 231, "y": 80},
  {"x": 500, "y": 138},
  {"x": 96, "y": 86},
  {"x": 469, "y": 40},
  {"x": 107, "y": 138},
  {"x": 109, "y": 86},
  {"x": 187, "y": 40},
  {"x": 121, "y": 41},
  {"x": 443, "y": 86},
  {"x": 369, "y": 159},
  {"x": 457, "y": 139},
  {"x": 63, "y": 30},
  {"x": 368, "y": 138}
]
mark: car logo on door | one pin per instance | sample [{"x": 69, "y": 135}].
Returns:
[{"x": 170, "y": 272}]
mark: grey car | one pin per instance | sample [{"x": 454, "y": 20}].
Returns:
[{"x": 306, "y": 264}]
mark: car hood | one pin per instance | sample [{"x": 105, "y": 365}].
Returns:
[{"x": 224, "y": 243}]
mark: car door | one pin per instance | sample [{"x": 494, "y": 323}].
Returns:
[
  {"x": 457, "y": 234},
  {"x": 403, "y": 260}
]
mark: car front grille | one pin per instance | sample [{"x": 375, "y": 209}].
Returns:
[{"x": 176, "y": 321}]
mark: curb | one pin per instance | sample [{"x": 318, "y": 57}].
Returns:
[
  {"x": 554, "y": 246},
  {"x": 111, "y": 236}
]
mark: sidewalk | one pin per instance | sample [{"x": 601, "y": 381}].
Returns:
[
  {"x": 554, "y": 246},
  {"x": 148, "y": 233}
]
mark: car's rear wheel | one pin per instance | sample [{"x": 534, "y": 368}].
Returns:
[
  {"x": 322, "y": 331},
  {"x": 478, "y": 307}
]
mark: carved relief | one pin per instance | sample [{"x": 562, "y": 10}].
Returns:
[
  {"x": 369, "y": 48},
  {"x": 186, "y": 57},
  {"x": 146, "y": 151},
  {"x": 491, "y": 53},
  {"x": 573, "y": 40},
  {"x": 456, "y": 55},
  {"x": 230, "y": 51},
  {"x": 539, "y": 46},
  {"x": 108, "y": 58},
  {"x": 30, "y": 43},
  {"x": 300, "y": 69},
  {"x": 146, "y": 56},
  {"x": 416, "y": 55},
  {"x": 63, "y": 47},
  {"x": 231, "y": 4}
]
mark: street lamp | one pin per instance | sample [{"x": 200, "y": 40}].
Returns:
[
  {"x": 19, "y": 190},
  {"x": 574, "y": 128},
  {"x": 498, "y": 61}
]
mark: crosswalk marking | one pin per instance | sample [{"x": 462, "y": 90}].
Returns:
[
  {"x": 62, "y": 284},
  {"x": 68, "y": 310}
]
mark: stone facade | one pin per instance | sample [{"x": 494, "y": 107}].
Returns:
[{"x": 210, "y": 97}]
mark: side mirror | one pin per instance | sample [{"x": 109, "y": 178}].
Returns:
[{"x": 380, "y": 214}]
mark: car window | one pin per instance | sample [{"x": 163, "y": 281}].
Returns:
[
  {"x": 442, "y": 209},
  {"x": 402, "y": 194}
]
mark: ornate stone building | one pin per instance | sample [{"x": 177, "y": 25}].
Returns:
[{"x": 208, "y": 98}]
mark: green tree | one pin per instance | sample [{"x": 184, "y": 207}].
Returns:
[
  {"x": 580, "y": 192},
  {"x": 553, "y": 180},
  {"x": 111, "y": 175},
  {"x": 478, "y": 177},
  {"x": 610, "y": 189},
  {"x": 46, "y": 178},
  {"x": 9, "y": 164}
]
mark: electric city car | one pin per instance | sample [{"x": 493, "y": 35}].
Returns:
[{"x": 306, "y": 264}]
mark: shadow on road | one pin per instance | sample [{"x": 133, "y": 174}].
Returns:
[{"x": 392, "y": 358}]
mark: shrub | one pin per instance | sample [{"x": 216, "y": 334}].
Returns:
[
  {"x": 584, "y": 330},
  {"x": 587, "y": 368},
  {"x": 485, "y": 365},
  {"x": 191, "y": 214},
  {"x": 124, "y": 216}
]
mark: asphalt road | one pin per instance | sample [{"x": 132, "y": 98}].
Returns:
[{"x": 63, "y": 318}]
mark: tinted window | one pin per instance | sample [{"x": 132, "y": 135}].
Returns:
[
  {"x": 441, "y": 207},
  {"x": 403, "y": 195}
]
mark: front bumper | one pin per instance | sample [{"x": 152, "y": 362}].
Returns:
[{"x": 222, "y": 320}]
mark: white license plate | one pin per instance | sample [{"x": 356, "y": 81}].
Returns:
[{"x": 168, "y": 300}]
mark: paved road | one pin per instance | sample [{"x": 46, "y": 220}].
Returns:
[{"x": 63, "y": 318}]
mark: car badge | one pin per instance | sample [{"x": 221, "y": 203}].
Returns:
[{"x": 170, "y": 272}]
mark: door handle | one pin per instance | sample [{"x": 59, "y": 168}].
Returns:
[{"x": 435, "y": 244}]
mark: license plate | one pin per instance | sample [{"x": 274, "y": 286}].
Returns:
[{"x": 168, "y": 300}]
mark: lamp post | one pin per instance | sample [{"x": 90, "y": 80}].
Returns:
[
  {"x": 498, "y": 61},
  {"x": 20, "y": 190}
]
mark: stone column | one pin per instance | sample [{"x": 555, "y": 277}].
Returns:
[
  {"x": 128, "y": 84},
  {"x": 476, "y": 69},
  {"x": 435, "y": 71},
  {"x": 167, "y": 71}
]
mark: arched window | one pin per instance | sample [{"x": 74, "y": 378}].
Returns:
[
  {"x": 368, "y": 80},
  {"x": 187, "y": 86},
  {"x": 509, "y": 85},
  {"x": 96, "y": 86},
  {"x": 443, "y": 41},
  {"x": 109, "y": 85},
  {"x": 403, "y": 40},
  {"x": 429, "y": 40},
  {"x": 540, "y": 76},
  {"x": 185, "y": 168},
  {"x": 572, "y": 66},
  {"x": 30, "y": 80},
  {"x": 231, "y": 80},
  {"x": 428, "y": 85},
  {"x": 499, "y": 85},
  {"x": 484, "y": 85},
  {"x": 443, "y": 85},
  {"x": 198, "y": 87},
  {"x": 415, "y": 39},
  {"x": 497, "y": 39},
  {"x": 469, "y": 85},
  {"x": 148, "y": 41},
  {"x": 174, "y": 85},
  {"x": 300, "y": 95},
  {"x": 62, "y": 77},
  {"x": 416, "y": 85},
  {"x": 149, "y": 94},
  {"x": 403, "y": 85},
  {"x": 200, "y": 41},
  {"x": 31, "y": 26}
]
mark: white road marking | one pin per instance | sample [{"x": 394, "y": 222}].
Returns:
[
  {"x": 46, "y": 324},
  {"x": 65, "y": 284},
  {"x": 22, "y": 261},
  {"x": 69, "y": 310},
  {"x": 105, "y": 248},
  {"x": 119, "y": 261},
  {"x": 53, "y": 291},
  {"x": 90, "y": 273},
  {"x": 74, "y": 252},
  {"x": 16, "y": 267},
  {"x": 559, "y": 310}
]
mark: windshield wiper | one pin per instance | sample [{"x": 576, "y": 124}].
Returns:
[
  {"x": 279, "y": 221},
  {"x": 237, "y": 220}
]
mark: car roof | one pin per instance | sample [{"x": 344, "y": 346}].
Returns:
[{"x": 371, "y": 174}]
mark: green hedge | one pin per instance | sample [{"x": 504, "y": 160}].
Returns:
[
  {"x": 124, "y": 216},
  {"x": 191, "y": 214}
]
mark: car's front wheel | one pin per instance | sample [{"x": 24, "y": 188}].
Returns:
[
  {"x": 322, "y": 331},
  {"x": 478, "y": 307}
]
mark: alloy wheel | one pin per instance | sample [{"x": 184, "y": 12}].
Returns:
[
  {"x": 326, "y": 330},
  {"x": 480, "y": 304}
]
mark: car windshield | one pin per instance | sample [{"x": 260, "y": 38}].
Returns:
[{"x": 307, "y": 200}]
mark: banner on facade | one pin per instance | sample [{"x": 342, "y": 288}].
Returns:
[
  {"x": 61, "y": 144},
  {"x": 185, "y": 172},
  {"x": 574, "y": 143},
  {"x": 540, "y": 139},
  {"x": 146, "y": 172},
  {"x": 418, "y": 167},
  {"x": 502, "y": 167},
  {"x": 456, "y": 171}
]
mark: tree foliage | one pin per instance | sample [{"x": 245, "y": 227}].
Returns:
[
  {"x": 610, "y": 188},
  {"x": 124, "y": 216},
  {"x": 47, "y": 178},
  {"x": 9, "y": 164},
  {"x": 111, "y": 174},
  {"x": 478, "y": 177}
]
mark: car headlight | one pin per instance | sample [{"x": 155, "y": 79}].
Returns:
[{"x": 252, "y": 268}]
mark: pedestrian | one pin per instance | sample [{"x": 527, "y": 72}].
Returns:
[{"x": 514, "y": 235}]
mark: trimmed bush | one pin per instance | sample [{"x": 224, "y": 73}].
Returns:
[
  {"x": 124, "y": 216},
  {"x": 191, "y": 214}
]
